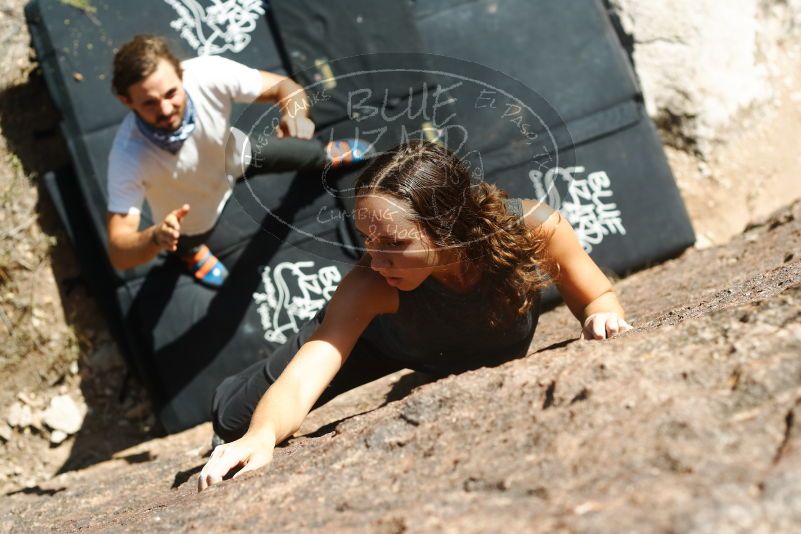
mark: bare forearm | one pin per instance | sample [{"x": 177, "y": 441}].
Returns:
[
  {"x": 585, "y": 288},
  {"x": 287, "y": 402},
  {"x": 607, "y": 302},
  {"x": 129, "y": 250},
  {"x": 276, "y": 416},
  {"x": 359, "y": 298},
  {"x": 292, "y": 99},
  {"x": 583, "y": 285}
]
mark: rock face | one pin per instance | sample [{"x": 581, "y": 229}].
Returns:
[
  {"x": 687, "y": 423},
  {"x": 701, "y": 62},
  {"x": 19, "y": 415},
  {"x": 63, "y": 415}
]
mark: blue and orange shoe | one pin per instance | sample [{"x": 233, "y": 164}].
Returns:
[
  {"x": 205, "y": 267},
  {"x": 348, "y": 151}
]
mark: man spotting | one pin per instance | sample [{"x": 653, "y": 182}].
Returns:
[{"x": 172, "y": 150}]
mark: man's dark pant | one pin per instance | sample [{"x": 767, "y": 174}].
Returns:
[
  {"x": 286, "y": 154},
  {"x": 274, "y": 156}
]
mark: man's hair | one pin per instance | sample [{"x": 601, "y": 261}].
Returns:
[{"x": 137, "y": 59}]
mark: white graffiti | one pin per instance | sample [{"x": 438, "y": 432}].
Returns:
[
  {"x": 291, "y": 296},
  {"x": 223, "y": 25},
  {"x": 587, "y": 205}
]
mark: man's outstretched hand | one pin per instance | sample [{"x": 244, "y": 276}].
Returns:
[
  {"x": 167, "y": 233},
  {"x": 246, "y": 454},
  {"x": 295, "y": 126}
]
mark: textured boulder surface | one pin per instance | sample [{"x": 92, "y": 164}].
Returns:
[{"x": 688, "y": 423}]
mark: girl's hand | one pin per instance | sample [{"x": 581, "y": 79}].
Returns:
[
  {"x": 603, "y": 325},
  {"x": 246, "y": 453}
]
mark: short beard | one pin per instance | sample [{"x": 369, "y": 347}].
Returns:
[{"x": 181, "y": 114}]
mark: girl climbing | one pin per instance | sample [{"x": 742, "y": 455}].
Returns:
[{"x": 450, "y": 280}]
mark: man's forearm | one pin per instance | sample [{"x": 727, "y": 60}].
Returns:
[
  {"x": 129, "y": 250},
  {"x": 292, "y": 99}
]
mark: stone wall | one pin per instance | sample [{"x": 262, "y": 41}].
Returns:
[{"x": 702, "y": 63}]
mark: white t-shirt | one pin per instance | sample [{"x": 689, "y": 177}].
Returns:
[{"x": 139, "y": 169}]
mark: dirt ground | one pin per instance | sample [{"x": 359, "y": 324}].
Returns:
[{"x": 55, "y": 342}]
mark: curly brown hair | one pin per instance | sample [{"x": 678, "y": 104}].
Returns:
[
  {"x": 138, "y": 58},
  {"x": 469, "y": 218}
]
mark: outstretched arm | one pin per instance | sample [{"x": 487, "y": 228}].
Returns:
[
  {"x": 293, "y": 103},
  {"x": 361, "y": 296},
  {"x": 128, "y": 247},
  {"x": 585, "y": 289}
]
